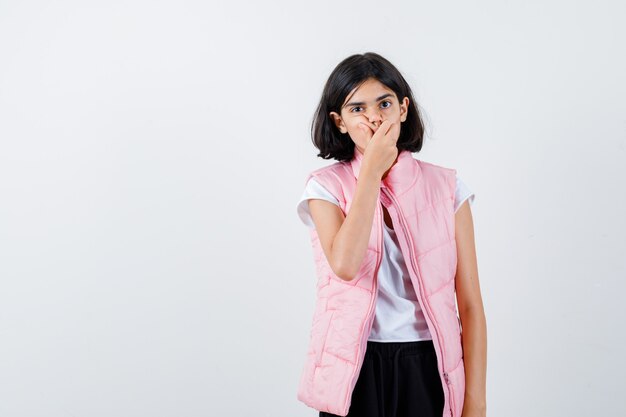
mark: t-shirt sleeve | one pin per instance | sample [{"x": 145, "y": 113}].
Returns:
[
  {"x": 313, "y": 189},
  {"x": 462, "y": 193}
]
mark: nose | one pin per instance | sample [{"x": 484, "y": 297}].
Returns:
[{"x": 375, "y": 118}]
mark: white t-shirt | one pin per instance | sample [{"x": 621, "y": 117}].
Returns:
[{"x": 398, "y": 316}]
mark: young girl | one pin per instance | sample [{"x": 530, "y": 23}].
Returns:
[{"x": 378, "y": 291}]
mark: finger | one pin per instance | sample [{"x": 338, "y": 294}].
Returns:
[
  {"x": 367, "y": 130},
  {"x": 385, "y": 126},
  {"x": 372, "y": 126}
]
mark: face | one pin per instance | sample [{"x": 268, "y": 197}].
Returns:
[{"x": 370, "y": 103}]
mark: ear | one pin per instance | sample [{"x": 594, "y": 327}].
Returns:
[
  {"x": 404, "y": 106},
  {"x": 338, "y": 122}
]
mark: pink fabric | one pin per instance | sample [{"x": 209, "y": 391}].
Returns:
[{"x": 419, "y": 197}]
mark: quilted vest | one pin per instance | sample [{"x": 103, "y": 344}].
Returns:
[{"x": 419, "y": 197}]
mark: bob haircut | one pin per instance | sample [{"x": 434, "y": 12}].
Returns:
[{"x": 347, "y": 75}]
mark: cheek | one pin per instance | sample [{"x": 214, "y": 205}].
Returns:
[
  {"x": 393, "y": 115},
  {"x": 356, "y": 133},
  {"x": 354, "y": 128}
]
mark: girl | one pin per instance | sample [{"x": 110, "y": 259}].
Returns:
[{"x": 368, "y": 120}]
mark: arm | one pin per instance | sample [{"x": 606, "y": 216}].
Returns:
[
  {"x": 344, "y": 239},
  {"x": 472, "y": 315}
]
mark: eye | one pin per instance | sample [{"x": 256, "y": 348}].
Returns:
[
  {"x": 387, "y": 101},
  {"x": 352, "y": 109}
]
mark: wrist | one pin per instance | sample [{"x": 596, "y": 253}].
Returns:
[
  {"x": 370, "y": 178},
  {"x": 475, "y": 404},
  {"x": 369, "y": 174}
]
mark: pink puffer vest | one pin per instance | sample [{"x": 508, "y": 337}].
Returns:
[{"x": 419, "y": 197}]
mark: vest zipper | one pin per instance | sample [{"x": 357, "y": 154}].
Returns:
[{"x": 421, "y": 290}]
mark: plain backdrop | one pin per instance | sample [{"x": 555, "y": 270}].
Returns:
[{"x": 152, "y": 154}]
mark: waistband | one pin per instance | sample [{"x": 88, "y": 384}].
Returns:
[{"x": 398, "y": 349}]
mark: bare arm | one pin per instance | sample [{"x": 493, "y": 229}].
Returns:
[
  {"x": 472, "y": 315},
  {"x": 344, "y": 239}
]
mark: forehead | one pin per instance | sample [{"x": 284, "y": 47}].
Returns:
[{"x": 368, "y": 91}]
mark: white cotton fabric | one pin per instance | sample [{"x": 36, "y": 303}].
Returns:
[{"x": 398, "y": 317}]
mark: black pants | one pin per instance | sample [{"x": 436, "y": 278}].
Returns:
[{"x": 397, "y": 379}]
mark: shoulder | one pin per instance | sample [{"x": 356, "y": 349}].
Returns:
[
  {"x": 313, "y": 190},
  {"x": 316, "y": 188},
  {"x": 331, "y": 177},
  {"x": 435, "y": 169},
  {"x": 329, "y": 171},
  {"x": 439, "y": 176}
]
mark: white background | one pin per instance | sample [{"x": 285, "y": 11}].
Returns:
[{"x": 152, "y": 154}]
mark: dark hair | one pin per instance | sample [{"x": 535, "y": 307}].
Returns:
[{"x": 348, "y": 74}]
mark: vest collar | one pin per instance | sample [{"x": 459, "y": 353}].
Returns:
[{"x": 402, "y": 175}]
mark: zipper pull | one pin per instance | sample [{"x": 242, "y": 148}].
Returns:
[{"x": 445, "y": 376}]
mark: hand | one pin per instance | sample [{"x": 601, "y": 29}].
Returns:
[{"x": 381, "y": 150}]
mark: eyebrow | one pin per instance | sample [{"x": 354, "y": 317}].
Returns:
[{"x": 360, "y": 103}]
